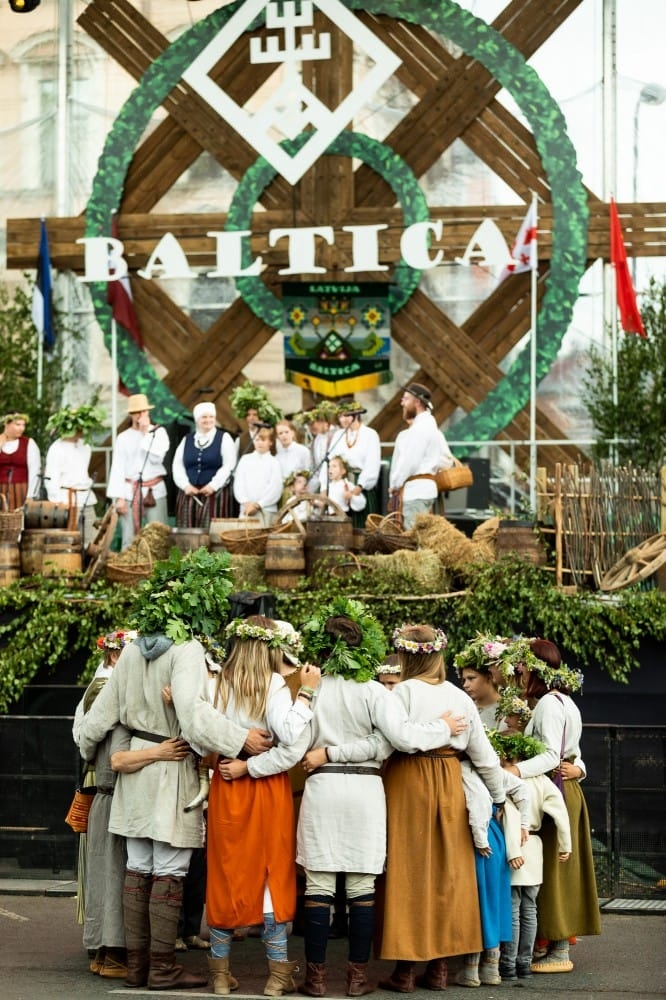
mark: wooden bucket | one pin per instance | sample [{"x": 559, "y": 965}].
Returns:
[
  {"x": 50, "y": 553},
  {"x": 10, "y": 563},
  {"x": 285, "y": 559},
  {"x": 42, "y": 514},
  {"x": 189, "y": 539}
]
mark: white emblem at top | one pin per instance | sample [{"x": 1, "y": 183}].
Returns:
[{"x": 285, "y": 107}]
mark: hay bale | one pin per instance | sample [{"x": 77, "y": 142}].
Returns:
[
  {"x": 453, "y": 547},
  {"x": 424, "y": 570},
  {"x": 483, "y": 540},
  {"x": 156, "y": 536},
  {"x": 249, "y": 572}
]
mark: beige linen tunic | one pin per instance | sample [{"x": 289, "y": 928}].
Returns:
[{"x": 150, "y": 802}]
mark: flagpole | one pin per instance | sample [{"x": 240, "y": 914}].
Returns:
[
  {"x": 534, "y": 275},
  {"x": 114, "y": 381}
]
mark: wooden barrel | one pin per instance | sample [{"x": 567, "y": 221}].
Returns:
[
  {"x": 284, "y": 560},
  {"x": 10, "y": 563},
  {"x": 189, "y": 539},
  {"x": 49, "y": 553},
  {"x": 523, "y": 540},
  {"x": 42, "y": 514},
  {"x": 327, "y": 538}
]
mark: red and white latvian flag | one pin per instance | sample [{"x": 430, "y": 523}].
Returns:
[
  {"x": 630, "y": 317},
  {"x": 119, "y": 297},
  {"x": 524, "y": 249}
]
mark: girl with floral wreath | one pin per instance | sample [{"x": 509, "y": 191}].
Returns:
[
  {"x": 342, "y": 821},
  {"x": 251, "y": 876},
  {"x": 431, "y": 908},
  {"x": 567, "y": 903}
]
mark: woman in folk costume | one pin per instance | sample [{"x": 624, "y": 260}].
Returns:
[
  {"x": 20, "y": 461},
  {"x": 202, "y": 468},
  {"x": 342, "y": 821},
  {"x": 360, "y": 447},
  {"x": 250, "y": 849},
  {"x": 424, "y": 793},
  {"x": 568, "y": 903}
]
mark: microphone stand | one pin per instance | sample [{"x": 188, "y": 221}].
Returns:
[
  {"x": 327, "y": 454},
  {"x": 81, "y": 518},
  {"x": 139, "y": 482}
]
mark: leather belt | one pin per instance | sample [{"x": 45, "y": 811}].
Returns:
[
  {"x": 152, "y": 737},
  {"x": 347, "y": 769}
]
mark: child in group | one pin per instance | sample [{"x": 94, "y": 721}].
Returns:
[
  {"x": 290, "y": 453},
  {"x": 545, "y": 798},
  {"x": 492, "y": 872},
  {"x": 336, "y": 485},
  {"x": 296, "y": 485},
  {"x": 258, "y": 479},
  {"x": 389, "y": 672}
]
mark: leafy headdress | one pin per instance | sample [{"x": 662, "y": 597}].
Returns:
[
  {"x": 249, "y": 396},
  {"x": 514, "y": 746},
  {"x": 344, "y": 638},
  {"x": 88, "y": 420},
  {"x": 185, "y": 596}
]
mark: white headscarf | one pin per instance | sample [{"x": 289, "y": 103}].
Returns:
[{"x": 203, "y": 410}]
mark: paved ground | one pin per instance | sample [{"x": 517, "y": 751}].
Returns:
[{"x": 41, "y": 958}]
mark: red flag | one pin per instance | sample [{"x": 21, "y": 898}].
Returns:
[
  {"x": 119, "y": 297},
  {"x": 630, "y": 317},
  {"x": 524, "y": 249}
]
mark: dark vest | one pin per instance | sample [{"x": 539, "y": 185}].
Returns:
[
  {"x": 201, "y": 464},
  {"x": 14, "y": 468}
]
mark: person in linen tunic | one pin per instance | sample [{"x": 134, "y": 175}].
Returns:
[
  {"x": 149, "y": 805},
  {"x": 425, "y": 792},
  {"x": 258, "y": 479},
  {"x": 361, "y": 449},
  {"x": 291, "y": 454},
  {"x": 202, "y": 467},
  {"x": 568, "y": 903}
]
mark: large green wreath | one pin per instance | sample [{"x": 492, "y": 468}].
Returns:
[{"x": 507, "y": 65}]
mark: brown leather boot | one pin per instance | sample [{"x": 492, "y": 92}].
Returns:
[
  {"x": 435, "y": 975},
  {"x": 402, "y": 979},
  {"x": 357, "y": 979},
  {"x": 136, "y": 901},
  {"x": 281, "y": 978},
  {"x": 314, "y": 984},
  {"x": 165, "y": 973}
]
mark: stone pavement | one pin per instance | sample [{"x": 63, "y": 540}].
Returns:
[{"x": 42, "y": 958}]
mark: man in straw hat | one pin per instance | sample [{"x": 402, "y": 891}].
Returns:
[
  {"x": 20, "y": 461},
  {"x": 420, "y": 450},
  {"x": 136, "y": 480}
]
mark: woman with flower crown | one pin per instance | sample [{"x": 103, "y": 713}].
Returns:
[
  {"x": 424, "y": 793},
  {"x": 568, "y": 903},
  {"x": 251, "y": 876}
]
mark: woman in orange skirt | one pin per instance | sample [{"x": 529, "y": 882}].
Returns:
[{"x": 251, "y": 876}]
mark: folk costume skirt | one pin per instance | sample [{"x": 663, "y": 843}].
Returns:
[
  {"x": 568, "y": 903},
  {"x": 493, "y": 876},
  {"x": 251, "y": 843},
  {"x": 193, "y": 514},
  {"x": 431, "y": 905}
]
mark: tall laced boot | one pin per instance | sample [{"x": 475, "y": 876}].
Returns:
[
  {"x": 136, "y": 902},
  {"x": 165, "y": 973},
  {"x": 223, "y": 981},
  {"x": 489, "y": 967},
  {"x": 280, "y": 979},
  {"x": 435, "y": 975},
  {"x": 361, "y": 927},
  {"x": 469, "y": 974},
  {"x": 402, "y": 979},
  {"x": 357, "y": 979},
  {"x": 314, "y": 984}
]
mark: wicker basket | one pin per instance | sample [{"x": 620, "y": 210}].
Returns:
[
  {"x": 11, "y": 522},
  {"x": 384, "y": 534},
  {"x": 246, "y": 542},
  {"x": 130, "y": 573}
]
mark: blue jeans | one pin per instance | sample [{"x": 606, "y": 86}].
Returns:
[{"x": 516, "y": 956}]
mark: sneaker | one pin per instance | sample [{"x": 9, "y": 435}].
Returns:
[
  {"x": 197, "y": 943},
  {"x": 508, "y": 975}
]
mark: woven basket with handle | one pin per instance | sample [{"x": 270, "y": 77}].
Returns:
[
  {"x": 11, "y": 521},
  {"x": 130, "y": 573}
]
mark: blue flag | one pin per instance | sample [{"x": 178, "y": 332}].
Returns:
[{"x": 42, "y": 304}]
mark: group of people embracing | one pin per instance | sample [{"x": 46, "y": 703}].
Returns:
[{"x": 384, "y": 799}]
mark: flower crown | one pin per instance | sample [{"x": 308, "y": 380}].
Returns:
[
  {"x": 241, "y": 629},
  {"x": 117, "y": 640},
  {"x": 481, "y": 652},
  {"x": 511, "y": 702},
  {"x": 289, "y": 638},
  {"x": 410, "y": 646},
  {"x": 388, "y": 668}
]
